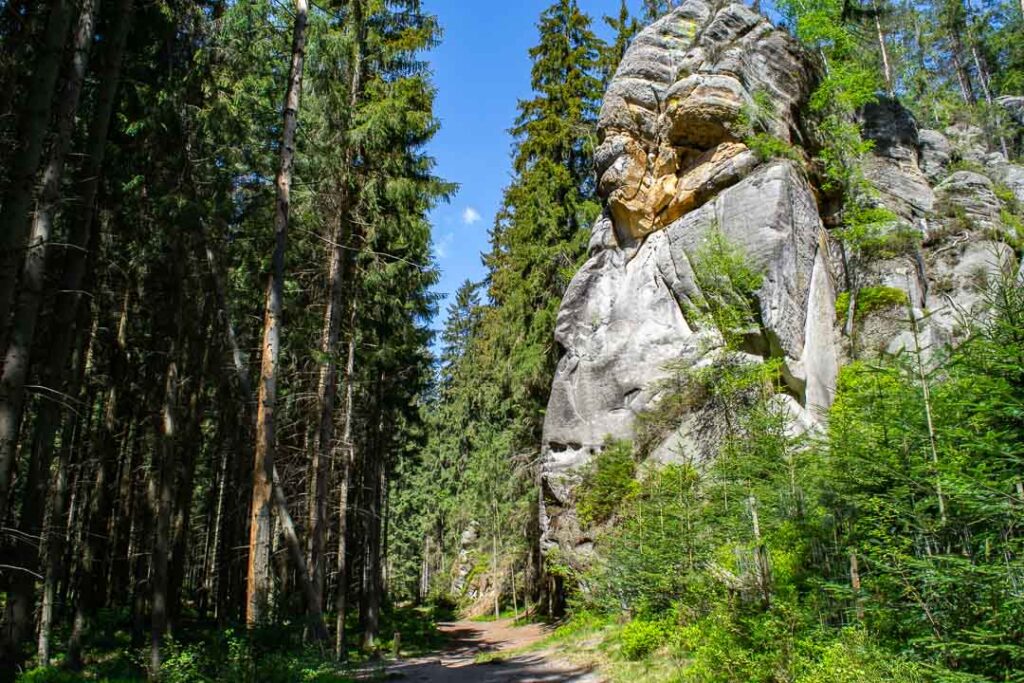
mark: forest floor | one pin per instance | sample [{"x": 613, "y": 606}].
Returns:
[{"x": 491, "y": 652}]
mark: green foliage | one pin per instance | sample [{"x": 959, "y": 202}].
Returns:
[
  {"x": 625, "y": 27},
  {"x": 767, "y": 146},
  {"x": 916, "y": 482},
  {"x": 871, "y": 299},
  {"x": 607, "y": 480},
  {"x": 499, "y": 356},
  {"x": 875, "y": 233},
  {"x": 48, "y": 674},
  {"x": 641, "y": 638},
  {"x": 728, "y": 283},
  {"x": 754, "y": 122}
]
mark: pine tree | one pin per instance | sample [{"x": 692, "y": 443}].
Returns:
[
  {"x": 625, "y": 28},
  {"x": 540, "y": 233}
]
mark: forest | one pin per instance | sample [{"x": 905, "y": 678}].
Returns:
[{"x": 236, "y": 444}]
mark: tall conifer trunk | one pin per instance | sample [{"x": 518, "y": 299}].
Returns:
[
  {"x": 258, "y": 589},
  {"x": 17, "y": 360},
  {"x": 14, "y": 214},
  {"x": 84, "y": 239},
  {"x": 342, "y": 269},
  {"x": 348, "y": 456},
  {"x": 327, "y": 392},
  {"x": 167, "y": 434}
]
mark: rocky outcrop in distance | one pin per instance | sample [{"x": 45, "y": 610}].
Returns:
[{"x": 673, "y": 167}]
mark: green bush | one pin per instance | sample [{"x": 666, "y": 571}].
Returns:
[
  {"x": 606, "y": 482},
  {"x": 729, "y": 285},
  {"x": 852, "y": 657},
  {"x": 641, "y": 638},
  {"x": 183, "y": 665},
  {"x": 767, "y": 146},
  {"x": 48, "y": 674},
  {"x": 870, "y": 300}
]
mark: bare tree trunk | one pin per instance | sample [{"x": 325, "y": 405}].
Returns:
[
  {"x": 17, "y": 361},
  {"x": 53, "y": 551},
  {"x": 14, "y": 215},
  {"x": 74, "y": 435},
  {"x": 341, "y": 598},
  {"x": 347, "y": 464},
  {"x": 963, "y": 78},
  {"x": 496, "y": 579},
  {"x": 926, "y": 397},
  {"x": 374, "y": 477},
  {"x": 762, "y": 568},
  {"x": 84, "y": 237},
  {"x": 244, "y": 387},
  {"x": 341, "y": 269},
  {"x": 192, "y": 439},
  {"x": 327, "y": 393},
  {"x": 91, "y": 570},
  {"x": 313, "y": 608},
  {"x": 216, "y": 556},
  {"x": 986, "y": 89},
  {"x": 23, "y": 327},
  {"x": 167, "y": 431},
  {"x": 258, "y": 588},
  {"x": 855, "y": 585},
  {"x": 79, "y": 260},
  {"x": 886, "y": 65}
]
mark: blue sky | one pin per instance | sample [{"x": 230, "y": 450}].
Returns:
[{"x": 481, "y": 70}]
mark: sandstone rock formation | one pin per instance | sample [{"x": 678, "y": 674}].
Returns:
[
  {"x": 674, "y": 167},
  {"x": 677, "y": 109}
]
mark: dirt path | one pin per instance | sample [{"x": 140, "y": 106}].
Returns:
[{"x": 467, "y": 639}]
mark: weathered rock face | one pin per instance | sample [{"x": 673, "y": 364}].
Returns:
[
  {"x": 673, "y": 168},
  {"x": 895, "y": 168},
  {"x": 676, "y": 111}
]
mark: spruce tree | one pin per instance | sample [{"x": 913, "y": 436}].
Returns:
[{"x": 625, "y": 28}]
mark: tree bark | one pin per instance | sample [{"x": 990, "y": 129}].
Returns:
[
  {"x": 373, "y": 527},
  {"x": 258, "y": 582},
  {"x": 341, "y": 269},
  {"x": 963, "y": 78},
  {"x": 886, "y": 66},
  {"x": 90, "y": 584},
  {"x": 326, "y": 397},
  {"x": 79, "y": 259},
  {"x": 192, "y": 443},
  {"x": 84, "y": 236},
  {"x": 14, "y": 218},
  {"x": 347, "y": 463},
  {"x": 14, "y": 215},
  {"x": 167, "y": 431},
  {"x": 53, "y": 551},
  {"x": 855, "y": 585},
  {"x": 17, "y": 360}
]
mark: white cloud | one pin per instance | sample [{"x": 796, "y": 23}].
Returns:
[
  {"x": 471, "y": 216},
  {"x": 441, "y": 247}
]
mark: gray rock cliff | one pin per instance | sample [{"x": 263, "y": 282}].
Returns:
[{"x": 673, "y": 167}]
